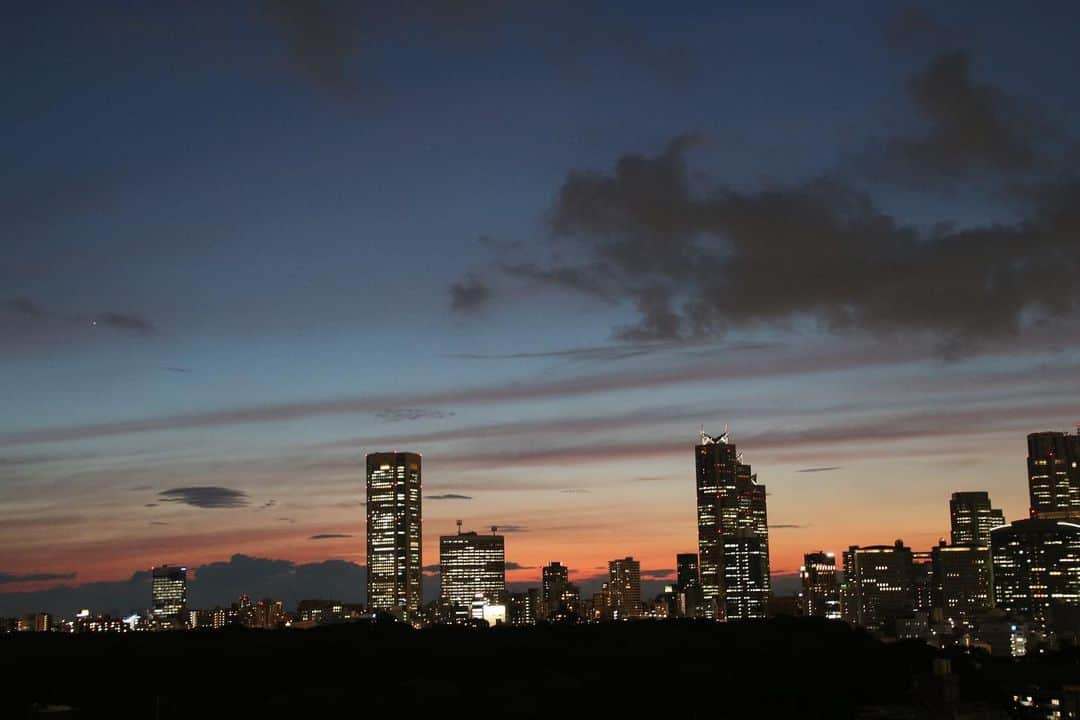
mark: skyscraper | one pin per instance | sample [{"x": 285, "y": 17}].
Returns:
[
  {"x": 1054, "y": 474},
  {"x": 744, "y": 569},
  {"x": 471, "y": 565},
  {"x": 624, "y": 587},
  {"x": 394, "y": 536},
  {"x": 169, "y": 593},
  {"x": 1037, "y": 572},
  {"x": 961, "y": 579},
  {"x": 878, "y": 584},
  {"x": 820, "y": 596},
  {"x": 688, "y": 583},
  {"x": 729, "y": 500},
  {"x": 555, "y": 578},
  {"x": 971, "y": 518}
]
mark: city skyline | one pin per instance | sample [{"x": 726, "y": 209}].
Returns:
[{"x": 543, "y": 244}]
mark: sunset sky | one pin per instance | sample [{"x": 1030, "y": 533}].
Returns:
[{"x": 543, "y": 244}]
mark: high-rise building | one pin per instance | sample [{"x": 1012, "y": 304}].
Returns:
[
  {"x": 878, "y": 585},
  {"x": 688, "y": 583},
  {"x": 922, "y": 580},
  {"x": 820, "y": 596},
  {"x": 744, "y": 565},
  {"x": 1054, "y": 474},
  {"x": 555, "y": 578},
  {"x": 471, "y": 565},
  {"x": 971, "y": 518},
  {"x": 961, "y": 579},
  {"x": 1036, "y": 565},
  {"x": 624, "y": 587},
  {"x": 169, "y": 594},
  {"x": 525, "y": 607},
  {"x": 394, "y": 535},
  {"x": 729, "y": 500}
]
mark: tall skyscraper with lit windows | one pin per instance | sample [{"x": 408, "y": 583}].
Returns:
[
  {"x": 1054, "y": 474},
  {"x": 820, "y": 595},
  {"x": 471, "y": 565},
  {"x": 624, "y": 587},
  {"x": 169, "y": 593},
  {"x": 394, "y": 536},
  {"x": 971, "y": 517},
  {"x": 730, "y": 502}
]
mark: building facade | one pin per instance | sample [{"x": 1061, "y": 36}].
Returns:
[
  {"x": 554, "y": 580},
  {"x": 962, "y": 575},
  {"x": 1054, "y": 474},
  {"x": 820, "y": 594},
  {"x": 472, "y": 565},
  {"x": 1036, "y": 566},
  {"x": 878, "y": 583},
  {"x": 729, "y": 501},
  {"x": 624, "y": 587},
  {"x": 169, "y": 594},
  {"x": 971, "y": 517},
  {"x": 394, "y": 532}
]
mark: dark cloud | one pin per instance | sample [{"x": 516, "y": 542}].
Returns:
[
  {"x": 518, "y": 566},
  {"x": 511, "y": 529},
  {"x": 698, "y": 265},
  {"x": 150, "y": 505},
  {"x": 11, "y": 578},
  {"x": 403, "y": 414},
  {"x": 206, "y": 497},
  {"x": 329, "y": 536},
  {"x": 432, "y": 568},
  {"x": 24, "y": 306},
  {"x": 660, "y": 574},
  {"x": 124, "y": 322},
  {"x": 788, "y": 526},
  {"x": 321, "y": 37},
  {"x": 825, "y": 468},
  {"x": 575, "y": 491},
  {"x": 973, "y": 127},
  {"x": 448, "y": 496},
  {"x": 182, "y": 370},
  {"x": 469, "y": 295},
  {"x": 158, "y": 522}
]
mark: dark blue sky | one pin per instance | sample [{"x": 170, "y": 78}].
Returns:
[{"x": 246, "y": 242}]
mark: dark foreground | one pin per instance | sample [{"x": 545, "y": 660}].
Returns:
[{"x": 780, "y": 668}]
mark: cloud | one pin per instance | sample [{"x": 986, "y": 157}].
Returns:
[
  {"x": 518, "y": 566},
  {"x": 973, "y": 127},
  {"x": 12, "y": 578},
  {"x": 448, "y": 496},
  {"x": 826, "y": 468},
  {"x": 432, "y": 568},
  {"x": 402, "y": 414},
  {"x": 124, "y": 322},
  {"x": 699, "y": 264},
  {"x": 788, "y": 526},
  {"x": 575, "y": 491},
  {"x": 469, "y": 295},
  {"x": 206, "y": 497},
  {"x": 181, "y": 370},
  {"x": 504, "y": 529},
  {"x": 158, "y": 522},
  {"x": 25, "y": 307},
  {"x": 329, "y": 536},
  {"x": 320, "y": 37}
]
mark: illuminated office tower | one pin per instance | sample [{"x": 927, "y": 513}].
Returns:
[
  {"x": 471, "y": 565},
  {"x": 624, "y": 587},
  {"x": 555, "y": 578},
  {"x": 525, "y": 607},
  {"x": 744, "y": 563},
  {"x": 1037, "y": 572},
  {"x": 394, "y": 535},
  {"x": 1054, "y": 475},
  {"x": 961, "y": 579},
  {"x": 922, "y": 580},
  {"x": 688, "y": 583},
  {"x": 878, "y": 584},
  {"x": 971, "y": 518},
  {"x": 729, "y": 499},
  {"x": 820, "y": 596},
  {"x": 169, "y": 591}
]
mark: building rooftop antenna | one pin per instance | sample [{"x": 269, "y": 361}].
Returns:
[{"x": 458, "y": 527}]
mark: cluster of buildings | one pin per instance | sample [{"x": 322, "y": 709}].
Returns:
[
  {"x": 999, "y": 585},
  {"x": 1003, "y": 586}
]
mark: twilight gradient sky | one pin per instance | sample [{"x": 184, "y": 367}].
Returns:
[{"x": 245, "y": 243}]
